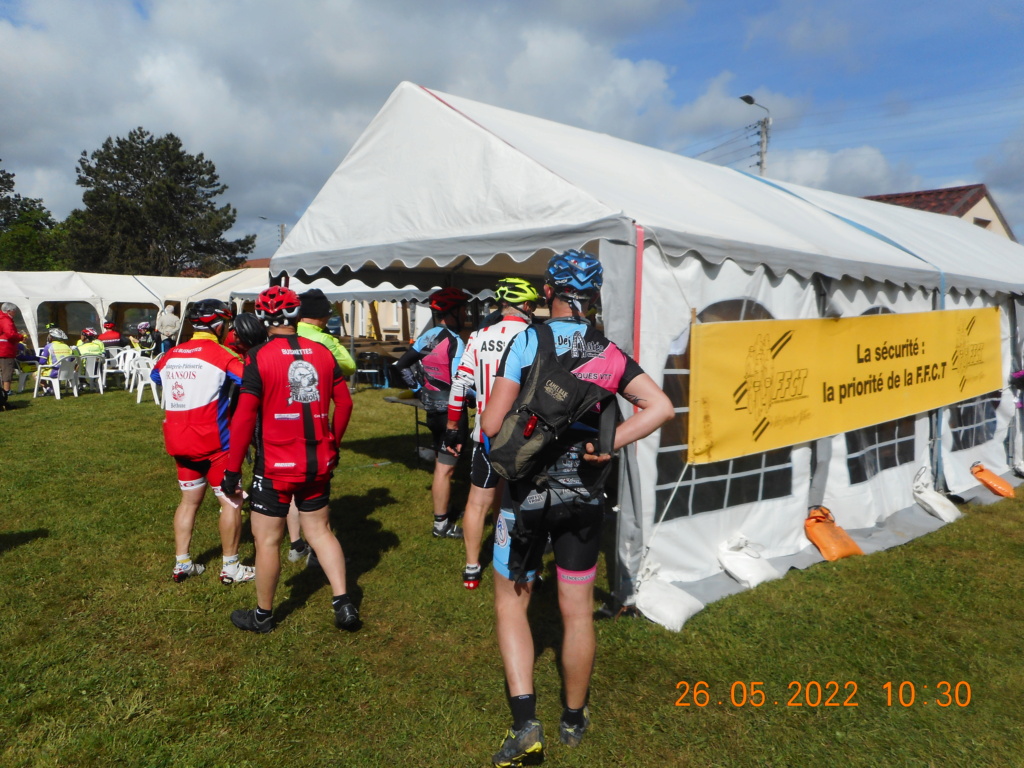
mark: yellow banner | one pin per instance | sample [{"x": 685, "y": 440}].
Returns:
[{"x": 763, "y": 384}]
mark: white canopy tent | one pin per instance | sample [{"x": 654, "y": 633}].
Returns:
[
  {"x": 100, "y": 291},
  {"x": 218, "y": 286},
  {"x": 440, "y": 188},
  {"x": 353, "y": 290}
]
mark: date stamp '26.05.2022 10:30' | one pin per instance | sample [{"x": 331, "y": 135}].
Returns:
[{"x": 831, "y": 693}]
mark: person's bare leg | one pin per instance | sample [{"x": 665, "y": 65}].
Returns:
[
  {"x": 317, "y": 530},
  {"x": 441, "y": 488},
  {"x": 477, "y": 506},
  {"x": 185, "y": 518},
  {"x": 515, "y": 640},
  {"x": 267, "y": 532},
  {"x": 576, "y": 602},
  {"x": 294, "y": 526},
  {"x": 230, "y": 525}
]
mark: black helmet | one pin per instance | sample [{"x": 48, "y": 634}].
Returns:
[
  {"x": 249, "y": 329},
  {"x": 208, "y": 313}
]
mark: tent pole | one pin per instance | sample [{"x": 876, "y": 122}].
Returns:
[{"x": 638, "y": 290}]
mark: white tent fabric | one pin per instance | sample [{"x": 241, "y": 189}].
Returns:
[
  {"x": 30, "y": 289},
  {"x": 353, "y": 290},
  {"x": 440, "y": 188},
  {"x": 218, "y": 286}
]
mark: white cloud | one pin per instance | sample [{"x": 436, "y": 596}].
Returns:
[
  {"x": 275, "y": 94},
  {"x": 857, "y": 171}
]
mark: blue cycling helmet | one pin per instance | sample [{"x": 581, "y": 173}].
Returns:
[{"x": 575, "y": 271}]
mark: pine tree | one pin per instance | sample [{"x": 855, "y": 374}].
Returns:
[{"x": 149, "y": 209}]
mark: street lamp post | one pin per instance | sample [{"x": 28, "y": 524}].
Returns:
[{"x": 764, "y": 124}]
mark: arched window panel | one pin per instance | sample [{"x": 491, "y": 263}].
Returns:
[
  {"x": 881, "y": 446},
  {"x": 689, "y": 490}
]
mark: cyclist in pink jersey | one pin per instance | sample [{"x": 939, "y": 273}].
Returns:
[
  {"x": 437, "y": 350},
  {"x": 517, "y": 301},
  {"x": 567, "y": 505}
]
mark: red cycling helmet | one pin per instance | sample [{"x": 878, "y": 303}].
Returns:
[
  {"x": 448, "y": 300},
  {"x": 109, "y": 325},
  {"x": 207, "y": 313},
  {"x": 88, "y": 333},
  {"x": 278, "y": 306}
]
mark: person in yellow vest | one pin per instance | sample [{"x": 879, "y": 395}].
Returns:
[
  {"x": 56, "y": 348},
  {"x": 89, "y": 344},
  {"x": 316, "y": 308}
]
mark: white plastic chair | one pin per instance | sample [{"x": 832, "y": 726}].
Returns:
[
  {"x": 120, "y": 365},
  {"x": 67, "y": 373},
  {"x": 92, "y": 368},
  {"x": 141, "y": 368},
  {"x": 33, "y": 370}
]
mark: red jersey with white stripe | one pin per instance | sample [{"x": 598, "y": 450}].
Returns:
[
  {"x": 197, "y": 378},
  {"x": 479, "y": 364}
]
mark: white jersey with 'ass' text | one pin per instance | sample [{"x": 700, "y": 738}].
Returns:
[{"x": 479, "y": 364}]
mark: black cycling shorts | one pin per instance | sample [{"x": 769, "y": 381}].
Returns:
[
  {"x": 481, "y": 473},
  {"x": 437, "y": 423},
  {"x": 273, "y": 497}
]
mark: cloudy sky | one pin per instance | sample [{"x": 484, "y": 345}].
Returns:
[{"x": 867, "y": 97}]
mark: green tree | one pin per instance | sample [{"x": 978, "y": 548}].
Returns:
[
  {"x": 149, "y": 209},
  {"x": 29, "y": 239}
]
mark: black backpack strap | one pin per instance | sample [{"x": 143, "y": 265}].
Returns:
[{"x": 606, "y": 426}]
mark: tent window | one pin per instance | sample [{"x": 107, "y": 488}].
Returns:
[
  {"x": 710, "y": 487},
  {"x": 881, "y": 446},
  {"x": 973, "y": 422}
]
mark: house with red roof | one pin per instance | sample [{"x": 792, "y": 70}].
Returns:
[{"x": 972, "y": 203}]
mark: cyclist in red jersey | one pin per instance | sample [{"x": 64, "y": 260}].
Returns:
[
  {"x": 287, "y": 389},
  {"x": 567, "y": 506},
  {"x": 198, "y": 378}
]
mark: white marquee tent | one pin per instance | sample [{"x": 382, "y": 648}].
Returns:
[
  {"x": 29, "y": 290},
  {"x": 442, "y": 189}
]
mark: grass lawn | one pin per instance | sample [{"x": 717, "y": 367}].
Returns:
[{"x": 105, "y": 661}]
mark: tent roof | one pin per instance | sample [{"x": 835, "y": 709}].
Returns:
[
  {"x": 353, "y": 290},
  {"x": 437, "y": 181},
  {"x": 219, "y": 286}
]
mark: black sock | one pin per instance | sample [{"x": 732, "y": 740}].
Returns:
[
  {"x": 572, "y": 717},
  {"x": 523, "y": 708},
  {"x": 339, "y": 600},
  {"x": 438, "y": 519},
  {"x": 298, "y": 545},
  {"x": 263, "y": 615}
]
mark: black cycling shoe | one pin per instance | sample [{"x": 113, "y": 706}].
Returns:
[
  {"x": 248, "y": 621},
  {"x": 347, "y": 617},
  {"x": 448, "y": 530}
]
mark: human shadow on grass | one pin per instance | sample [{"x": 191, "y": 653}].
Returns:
[
  {"x": 363, "y": 539},
  {"x": 17, "y": 538},
  {"x": 398, "y": 449}
]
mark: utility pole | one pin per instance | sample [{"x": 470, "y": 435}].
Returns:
[{"x": 764, "y": 124}]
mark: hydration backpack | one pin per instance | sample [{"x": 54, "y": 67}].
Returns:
[{"x": 550, "y": 400}]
